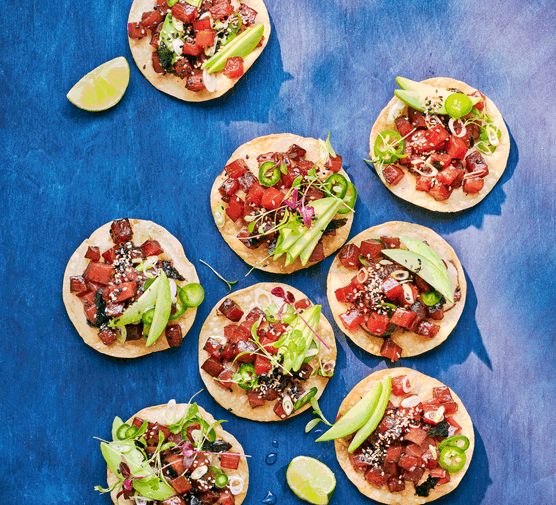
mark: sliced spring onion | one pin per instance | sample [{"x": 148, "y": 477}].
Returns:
[
  {"x": 287, "y": 404},
  {"x": 219, "y": 215},
  {"x": 210, "y": 81},
  {"x": 199, "y": 472},
  {"x": 410, "y": 401},
  {"x": 408, "y": 294},
  {"x": 122, "y": 335},
  {"x": 236, "y": 484},
  {"x": 400, "y": 275},
  {"x": 171, "y": 411},
  {"x": 452, "y": 128},
  {"x": 362, "y": 275}
]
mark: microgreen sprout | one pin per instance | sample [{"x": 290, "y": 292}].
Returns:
[
  {"x": 316, "y": 410},
  {"x": 228, "y": 283}
]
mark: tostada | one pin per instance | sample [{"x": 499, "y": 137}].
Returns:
[
  {"x": 265, "y": 351},
  {"x": 397, "y": 289},
  {"x": 174, "y": 454},
  {"x": 283, "y": 202},
  {"x": 129, "y": 283},
  {"x": 196, "y": 50},
  {"x": 403, "y": 437},
  {"x": 440, "y": 144}
]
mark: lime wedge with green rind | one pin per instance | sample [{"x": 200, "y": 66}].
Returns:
[
  {"x": 311, "y": 480},
  {"x": 101, "y": 88}
]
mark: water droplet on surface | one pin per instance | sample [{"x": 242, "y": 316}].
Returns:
[
  {"x": 318, "y": 432},
  {"x": 271, "y": 458},
  {"x": 275, "y": 443},
  {"x": 270, "y": 499}
]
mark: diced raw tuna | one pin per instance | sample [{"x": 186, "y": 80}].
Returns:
[
  {"x": 100, "y": 273},
  {"x": 212, "y": 367},
  {"x": 392, "y": 174},
  {"x": 479, "y": 105},
  {"x": 184, "y": 11},
  {"x": 393, "y": 453},
  {"x": 413, "y": 475},
  {"x": 272, "y": 198},
  {"x": 403, "y": 125},
  {"x": 424, "y": 183},
  {"x": 123, "y": 291},
  {"x": 230, "y": 461},
  {"x": 454, "y": 428},
  {"x": 279, "y": 410},
  {"x": 377, "y": 323},
  {"x": 302, "y": 304},
  {"x": 427, "y": 329},
  {"x": 151, "y": 20},
  {"x": 93, "y": 253},
  {"x": 228, "y": 188},
  {"x": 234, "y": 66},
  {"x": 375, "y": 476},
  {"x": 249, "y": 348},
  {"x": 474, "y": 162},
  {"x": 334, "y": 164},
  {"x": 403, "y": 317},
  {"x": 397, "y": 385},
  {"x": 115, "y": 310},
  {"x": 205, "y": 38},
  {"x": 416, "y": 118},
  {"x": 111, "y": 255},
  {"x": 353, "y": 318},
  {"x": 108, "y": 336},
  {"x": 236, "y": 168},
  {"x": 456, "y": 147},
  {"x": 255, "y": 399},
  {"x": 441, "y": 474},
  {"x": 174, "y": 335},
  {"x": 235, "y": 208},
  {"x": 78, "y": 284},
  {"x": 346, "y": 294},
  {"x": 415, "y": 435},
  {"x": 174, "y": 500},
  {"x": 391, "y": 350},
  {"x": 181, "y": 484},
  {"x": 408, "y": 463},
  {"x": 318, "y": 253},
  {"x": 220, "y": 9},
  {"x": 136, "y": 30},
  {"x": 448, "y": 175},
  {"x": 392, "y": 288},
  {"x": 355, "y": 459},
  {"x": 371, "y": 248},
  {"x": 157, "y": 67},
  {"x": 120, "y": 231},
  {"x": 254, "y": 195},
  {"x": 442, "y": 394},
  {"x": 151, "y": 248},
  {"x": 248, "y": 16},
  {"x": 262, "y": 365},
  {"x": 134, "y": 332},
  {"x": 395, "y": 485},
  {"x": 473, "y": 185},
  {"x": 231, "y": 310},
  {"x": 349, "y": 256},
  {"x": 225, "y": 379},
  {"x": 391, "y": 243},
  {"x": 440, "y": 192}
]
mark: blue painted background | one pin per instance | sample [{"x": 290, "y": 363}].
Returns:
[{"x": 329, "y": 65}]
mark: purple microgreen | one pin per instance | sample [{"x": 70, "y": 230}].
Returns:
[
  {"x": 289, "y": 297},
  {"x": 279, "y": 315},
  {"x": 294, "y": 202},
  {"x": 307, "y": 213},
  {"x": 279, "y": 292}
]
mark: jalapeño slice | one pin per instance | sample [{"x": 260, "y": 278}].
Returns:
[
  {"x": 458, "y": 105},
  {"x": 349, "y": 199},
  {"x": 337, "y": 185},
  {"x": 389, "y": 146},
  {"x": 121, "y": 432},
  {"x": 245, "y": 377},
  {"x": 221, "y": 480},
  {"x": 305, "y": 398},
  {"x": 269, "y": 173},
  {"x": 452, "y": 459},
  {"x": 180, "y": 307},
  {"x": 148, "y": 316},
  {"x": 192, "y": 294},
  {"x": 455, "y": 442}
]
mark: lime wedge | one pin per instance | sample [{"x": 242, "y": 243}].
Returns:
[
  {"x": 103, "y": 87},
  {"x": 311, "y": 480}
]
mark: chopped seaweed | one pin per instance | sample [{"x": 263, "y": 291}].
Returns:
[
  {"x": 334, "y": 225},
  {"x": 440, "y": 430},
  {"x": 171, "y": 272},
  {"x": 425, "y": 488},
  {"x": 216, "y": 446},
  {"x": 102, "y": 318}
]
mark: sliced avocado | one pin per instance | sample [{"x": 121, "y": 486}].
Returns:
[
  {"x": 375, "y": 418},
  {"x": 312, "y": 316},
  {"x": 355, "y": 417},
  {"x": 134, "y": 312},
  {"x": 418, "y": 95},
  {"x": 241, "y": 46},
  {"x": 418, "y": 247},
  {"x": 154, "y": 488},
  {"x": 424, "y": 268},
  {"x": 162, "y": 310}
]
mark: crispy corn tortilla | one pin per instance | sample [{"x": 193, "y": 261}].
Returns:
[
  {"x": 158, "y": 415},
  {"x": 249, "y": 152},
  {"x": 172, "y": 84},
  {"x": 142, "y": 230},
  {"x": 235, "y": 399},
  {"x": 411, "y": 343},
  {"x": 458, "y": 200},
  {"x": 408, "y": 496}
]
